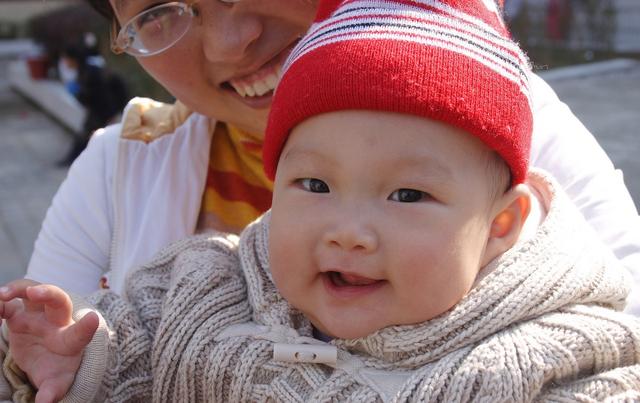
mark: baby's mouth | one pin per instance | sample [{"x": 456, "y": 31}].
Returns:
[{"x": 339, "y": 279}]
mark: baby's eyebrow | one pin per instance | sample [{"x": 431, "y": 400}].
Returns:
[
  {"x": 305, "y": 155},
  {"x": 426, "y": 165}
]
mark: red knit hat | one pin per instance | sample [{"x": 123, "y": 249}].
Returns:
[{"x": 450, "y": 60}]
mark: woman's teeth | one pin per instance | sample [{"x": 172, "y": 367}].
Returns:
[{"x": 256, "y": 88}]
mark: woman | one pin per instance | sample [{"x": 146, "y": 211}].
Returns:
[{"x": 167, "y": 172}]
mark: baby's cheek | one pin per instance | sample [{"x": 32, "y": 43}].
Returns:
[{"x": 281, "y": 265}]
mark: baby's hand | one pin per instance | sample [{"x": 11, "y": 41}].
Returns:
[{"x": 44, "y": 340}]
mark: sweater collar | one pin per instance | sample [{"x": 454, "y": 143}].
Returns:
[{"x": 542, "y": 274}]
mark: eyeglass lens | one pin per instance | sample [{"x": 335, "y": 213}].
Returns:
[{"x": 157, "y": 29}]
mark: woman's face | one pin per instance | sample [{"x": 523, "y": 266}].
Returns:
[{"x": 226, "y": 65}]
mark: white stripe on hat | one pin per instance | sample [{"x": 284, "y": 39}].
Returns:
[
  {"x": 445, "y": 28},
  {"x": 471, "y": 37}
]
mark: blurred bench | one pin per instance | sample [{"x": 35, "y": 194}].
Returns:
[{"x": 49, "y": 95}]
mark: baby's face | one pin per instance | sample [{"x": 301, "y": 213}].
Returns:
[{"x": 378, "y": 219}]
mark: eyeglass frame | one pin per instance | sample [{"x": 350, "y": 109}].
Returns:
[{"x": 117, "y": 29}]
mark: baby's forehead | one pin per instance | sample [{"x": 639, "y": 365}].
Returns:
[
  {"x": 411, "y": 134},
  {"x": 403, "y": 140}
]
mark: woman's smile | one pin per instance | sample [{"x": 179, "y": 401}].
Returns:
[
  {"x": 256, "y": 89},
  {"x": 228, "y": 64}
]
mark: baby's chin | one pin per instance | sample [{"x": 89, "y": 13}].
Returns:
[
  {"x": 353, "y": 329},
  {"x": 345, "y": 332}
]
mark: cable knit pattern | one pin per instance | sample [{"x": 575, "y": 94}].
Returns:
[{"x": 538, "y": 326}]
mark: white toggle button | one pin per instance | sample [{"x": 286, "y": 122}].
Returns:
[{"x": 313, "y": 353}]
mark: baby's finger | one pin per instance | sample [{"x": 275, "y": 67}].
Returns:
[
  {"x": 9, "y": 309},
  {"x": 45, "y": 395},
  {"x": 76, "y": 337},
  {"x": 16, "y": 289},
  {"x": 57, "y": 304},
  {"x": 51, "y": 390}
]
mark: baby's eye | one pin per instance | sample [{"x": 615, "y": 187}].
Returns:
[
  {"x": 314, "y": 185},
  {"x": 407, "y": 195}
]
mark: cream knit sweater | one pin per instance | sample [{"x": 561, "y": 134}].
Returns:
[{"x": 201, "y": 322}]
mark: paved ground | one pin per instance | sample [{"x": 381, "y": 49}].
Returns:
[
  {"x": 30, "y": 143},
  {"x": 608, "y": 103}
]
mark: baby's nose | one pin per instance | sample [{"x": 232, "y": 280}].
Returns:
[{"x": 352, "y": 235}]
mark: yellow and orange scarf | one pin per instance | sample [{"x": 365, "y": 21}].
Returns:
[{"x": 237, "y": 190}]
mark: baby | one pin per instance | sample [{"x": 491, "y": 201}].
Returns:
[{"x": 409, "y": 254}]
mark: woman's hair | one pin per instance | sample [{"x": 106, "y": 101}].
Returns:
[{"x": 103, "y": 7}]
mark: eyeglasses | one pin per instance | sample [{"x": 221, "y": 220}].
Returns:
[{"x": 156, "y": 29}]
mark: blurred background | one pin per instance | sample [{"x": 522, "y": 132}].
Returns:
[
  {"x": 587, "y": 50},
  {"x": 566, "y": 32}
]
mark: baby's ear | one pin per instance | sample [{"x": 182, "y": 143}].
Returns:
[{"x": 509, "y": 215}]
